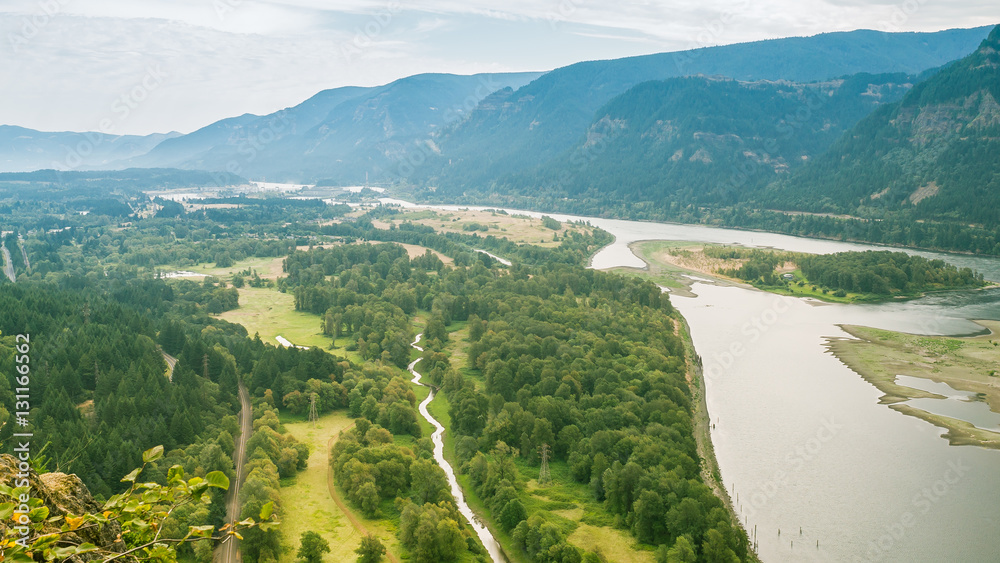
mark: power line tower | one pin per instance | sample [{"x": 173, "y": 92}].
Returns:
[
  {"x": 312, "y": 410},
  {"x": 544, "y": 477}
]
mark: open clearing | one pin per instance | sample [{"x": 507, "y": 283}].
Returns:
[
  {"x": 416, "y": 251},
  {"x": 314, "y": 509},
  {"x": 517, "y": 228},
  {"x": 271, "y": 313},
  {"x": 613, "y": 544},
  {"x": 267, "y": 268}
]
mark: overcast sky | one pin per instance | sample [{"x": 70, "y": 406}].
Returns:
[{"x": 142, "y": 66}]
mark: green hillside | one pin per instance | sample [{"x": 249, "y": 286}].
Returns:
[{"x": 934, "y": 154}]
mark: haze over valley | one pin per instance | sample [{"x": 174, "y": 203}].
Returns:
[{"x": 286, "y": 281}]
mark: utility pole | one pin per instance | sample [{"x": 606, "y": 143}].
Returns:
[
  {"x": 544, "y": 477},
  {"x": 312, "y": 410}
]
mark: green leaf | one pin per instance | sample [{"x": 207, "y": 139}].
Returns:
[
  {"x": 218, "y": 480},
  {"x": 266, "y": 510},
  {"x": 45, "y": 541},
  {"x": 6, "y": 510},
  {"x": 67, "y": 552},
  {"x": 198, "y": 491},
  {"x": 152, "y": 454},
  {"x": 5, "y": 490},
  {"x": 201, "y": 531},
  {"x": 130, "y": 478},
  {"x": 39, "y": 514},
  {"x": 175, "y": 472}
]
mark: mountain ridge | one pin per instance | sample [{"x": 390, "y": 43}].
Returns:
[
  {"x": 933, "y": 153},
  {"x": 548, "y": 116}
]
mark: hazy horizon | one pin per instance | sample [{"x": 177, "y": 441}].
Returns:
[{"x": 193, "y": 62}]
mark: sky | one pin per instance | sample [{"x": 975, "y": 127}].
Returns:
[{"x": 144, "y": 66}]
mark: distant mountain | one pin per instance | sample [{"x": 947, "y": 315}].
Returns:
[
  {"x": 24, "y": 150},
  {"x": 935, "y": 153},
  {"x": 705, "y": 140},
  {"x": 341, "y": 133},
  {"x": 529, "y": 126},
  {"x": 469, "y": 132},
  {"x": 244, "y": 133}
]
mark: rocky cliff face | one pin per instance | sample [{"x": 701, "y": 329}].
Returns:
[{"x": 65, "y": 494}]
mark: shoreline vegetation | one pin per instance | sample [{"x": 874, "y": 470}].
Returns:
[
  {"x": 668, "y": 274},
  {"x": 969, "y": 364},
  {"x": 883, "y": 275},
  {"x": 710, "y": 472},
  {"x": 567, "y": 505}
]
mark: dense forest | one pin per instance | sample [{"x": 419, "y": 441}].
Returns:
[
  {"x": 885, "y": 273},
  {"x": 102, "y": 392},
  {"x": 933, "y": 153},
  {"x": 580, "y": 363},
  {"x": 876, "y": 273}
]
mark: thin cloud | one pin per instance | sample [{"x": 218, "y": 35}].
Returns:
[{"x": 227, "y": 57}]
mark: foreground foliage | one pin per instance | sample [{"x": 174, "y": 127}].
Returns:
[{"x": 141, "y": 513}]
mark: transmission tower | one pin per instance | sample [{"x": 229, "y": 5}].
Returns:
[
  {"x": 312, "y": 409},
  {"x": 544, "y": 477}
]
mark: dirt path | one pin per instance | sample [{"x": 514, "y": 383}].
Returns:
[{"x": 340, "y": 502}]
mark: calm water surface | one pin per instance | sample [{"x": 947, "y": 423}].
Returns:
[{"x": 803, "y": 446}]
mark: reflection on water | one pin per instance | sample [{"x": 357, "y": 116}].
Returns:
[
  {"x": 954, "y": 403},
  {"x": 813, "y": 462},
  {"x": 802, "y": 441}
]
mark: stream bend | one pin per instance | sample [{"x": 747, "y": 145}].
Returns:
[{"x": 492, "y": 546}]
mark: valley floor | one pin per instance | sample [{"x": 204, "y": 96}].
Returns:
[{"x": 311, "y": 492}]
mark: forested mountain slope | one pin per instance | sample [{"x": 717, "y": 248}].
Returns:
[
  {"x": 704, "y": 140},
  {"x": 935, "y": 153},
  {"x": 527, "y": 127}
]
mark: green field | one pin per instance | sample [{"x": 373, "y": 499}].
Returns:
[
  {"x": 270, "y": 313},
  {"x": 315, "y": 510},
  {"x": 270, "y": 267},
  {"x": 307, "y": 492}
]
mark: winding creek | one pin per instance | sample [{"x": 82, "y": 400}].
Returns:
[
  {"x": 496, "y": 554},
  {"x": 813, "y": 462}
]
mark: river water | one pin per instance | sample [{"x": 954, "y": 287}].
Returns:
[
  {"x": 496, "y": 554},
  {"x": 813, "y": 462},
  {"x": 817, "y": 469}
]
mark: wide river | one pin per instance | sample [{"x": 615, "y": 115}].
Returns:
[{"x": 813, "y": 462}]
